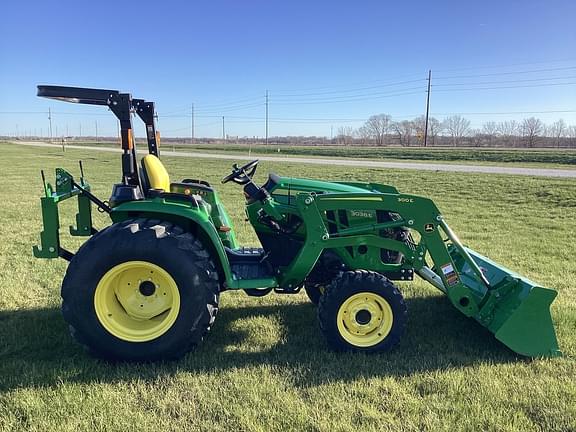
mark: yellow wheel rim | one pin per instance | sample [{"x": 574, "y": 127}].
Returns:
[
  {"x": 365, "y": 319},
  {"x": 137, "y": 301}
]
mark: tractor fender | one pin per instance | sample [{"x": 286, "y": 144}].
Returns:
[{"x": 192, "y": 219}]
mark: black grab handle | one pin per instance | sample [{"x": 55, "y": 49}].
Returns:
[{"x": 77, "y": 94}]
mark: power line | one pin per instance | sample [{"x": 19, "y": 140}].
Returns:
[
  {"x": 506, "y": 87},
  {"x": 208, "y": 124},
  {"x": 508, "y": 112},
  {"x": 505, "y": 81},
  {"x": 232, "y": 102},
  {"x": 192, "y": 125},
  {"x": 510, "y": 65},
  {"x": 50, "y": 120},
  {"x": 231, "y": 108},
  {"x": 314, "y": 122},
  {"x": 266, "y": 139},
  {"x": 427, "y": 108},
  {"x": 349, "y": 84},
  {"x": 369, "y": 94},
  {"x": 187, "y": 128},
  {"x": 53, "y": 112},
  {"x": 343, "y": 119},
  {"x": 507, "y": 73},
  {"x": 350, "y": 99},
  {"x": 23, "y": 112},
  {"x": 350, "y": 90},
  {"x": 175, "y": 130}
]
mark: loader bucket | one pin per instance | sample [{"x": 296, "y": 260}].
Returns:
[{"x": 514, "y": 308}]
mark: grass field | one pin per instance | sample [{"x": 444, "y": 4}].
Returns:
[
  {"x": 475, "y": 155},
  {"x": 550, "y": 158},
  {"x": 265, "y": 366}
]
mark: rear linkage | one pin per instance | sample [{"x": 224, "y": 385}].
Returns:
[{"x": 66, "y": 187}]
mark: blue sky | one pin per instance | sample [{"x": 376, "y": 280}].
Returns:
[{"x": 319, "y": 60}]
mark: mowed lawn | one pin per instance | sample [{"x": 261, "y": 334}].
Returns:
[
  {"x": 562, "y": 158},
  {"x": 265, "y": 365}
]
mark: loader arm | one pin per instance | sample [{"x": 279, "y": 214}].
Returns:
[
  {"x": 515, "y": 309},
  {"x": 417, "y": 213}
]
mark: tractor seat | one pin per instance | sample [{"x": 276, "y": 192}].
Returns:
[
  {"x": 156, "y": 182},
  {"x": 153, "y": 174}
]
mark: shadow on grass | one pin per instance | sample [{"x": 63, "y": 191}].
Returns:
[{"x": 36, "y": 350}]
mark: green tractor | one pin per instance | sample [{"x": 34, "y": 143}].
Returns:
[{"x": 147, "y": 286}]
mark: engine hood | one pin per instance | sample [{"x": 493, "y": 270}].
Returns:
[{"x": 294, "y": 185}]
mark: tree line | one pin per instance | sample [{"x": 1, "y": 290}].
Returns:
[{"x": 455, "y": 131}]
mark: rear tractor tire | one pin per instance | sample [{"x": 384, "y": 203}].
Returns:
[
  {"x": 362, "y": 311},
  {"x": 141, "y": 290}
]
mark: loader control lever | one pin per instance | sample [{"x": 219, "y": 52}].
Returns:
[{"x": 243, "y": 174}]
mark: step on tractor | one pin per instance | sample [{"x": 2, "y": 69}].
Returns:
[{"x": 147, "y": 286}]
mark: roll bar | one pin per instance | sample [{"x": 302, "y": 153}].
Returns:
[{"x": 122, "y": 105}]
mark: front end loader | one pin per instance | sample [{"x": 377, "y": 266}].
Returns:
[{"x": 147, "y": 286}]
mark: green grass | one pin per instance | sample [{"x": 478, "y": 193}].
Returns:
[
  {"x": 543, "y": 158},
  {"x": 471, "y": 155},
  {"x": 265, "y": 366}
]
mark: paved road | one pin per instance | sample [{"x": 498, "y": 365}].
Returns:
[{"x": 486, "y": 169}]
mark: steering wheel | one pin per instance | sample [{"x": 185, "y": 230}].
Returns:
[{"x": 243, "y": 174}]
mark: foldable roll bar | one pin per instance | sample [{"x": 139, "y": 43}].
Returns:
[{"x": 122, "y": 105}]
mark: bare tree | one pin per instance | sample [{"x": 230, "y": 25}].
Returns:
[
  {"x": 478, "y": 137},
  {"x": 377, "y": 127},
  {"x": 557, "y": 131},
  {"x": 345, "y": 135},
  {"x": 489, "y": 131},
  {"x": 363, "y": 134},
  {"x": 403, "y": 130},
  {"x": 508, "y": 131},
  {"x": 434, "y": 129},
  {"x": 490, "y": 128},
  {"x": 531, "y": 129},
  {"x": 458, "y": 127},
  {"x": 571, "y": 135},
  {"x": 381, "y": 130}
]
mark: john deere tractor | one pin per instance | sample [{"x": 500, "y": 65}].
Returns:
[{"x": 147, "y": 286}]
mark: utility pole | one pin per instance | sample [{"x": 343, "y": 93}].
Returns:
[
  {"x": 266, "y": 139},
  {"x": 223, "y": 129},
  {"x": 50, "y": 120},
  {"x": 427, "y": 108},
  {"x": 17, "y": 132},
  {"x": 80, "y": 124},
  {"x": 96, "y": 124},
  {"x": 331, "y": 133},
  {"x": 192, "y": 126}
]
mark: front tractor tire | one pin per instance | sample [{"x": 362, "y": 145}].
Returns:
[
  {"x": 328, "y": 267},
  {"x": 362, "y": 311},
  {"x": 141, "y": 290}
]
